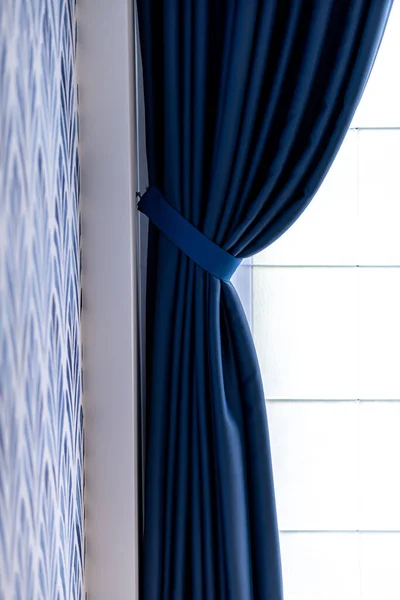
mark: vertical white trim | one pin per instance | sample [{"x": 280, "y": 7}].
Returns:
[{"x": 108, "y": 184}]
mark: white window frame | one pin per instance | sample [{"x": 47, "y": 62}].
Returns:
[{"x": 109, "y": 282}]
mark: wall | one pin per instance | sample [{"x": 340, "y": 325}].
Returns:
[{"x": 41, "y": 444}]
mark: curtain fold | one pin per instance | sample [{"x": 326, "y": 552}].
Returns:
[{"x": 247, "y": 104}]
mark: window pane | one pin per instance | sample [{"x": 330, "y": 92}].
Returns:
[
  {"x": 379, "y": 331},
  {"x": 380, "y": 566},
  {"x": 330, "y": 217},
  {"x": 379, "y": 427},
  {"x": 314, "y": 452},
  {"x": 305, "y": 331},
  {"x": 241, "y": 280},
  {"x": 379, "y": 197},
  {"x": 318, "y": 566}
]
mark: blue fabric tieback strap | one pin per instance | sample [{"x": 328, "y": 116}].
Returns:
[{"x": 183, "y": 234}]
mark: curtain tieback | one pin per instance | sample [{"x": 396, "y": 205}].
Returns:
[{"x": 183, "y": 234}]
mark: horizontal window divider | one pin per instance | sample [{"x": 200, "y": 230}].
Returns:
[
  {"x": 339, "y": 531},
  {"x": 324, "y": 266},
  {"x": 382, "y": 128},
  {"x": 331, "y": 400}
]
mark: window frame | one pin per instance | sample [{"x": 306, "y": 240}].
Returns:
[{"x": 105, "y": 55}]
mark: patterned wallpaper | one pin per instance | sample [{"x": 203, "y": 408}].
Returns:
[{"x": 41, "y": 434}]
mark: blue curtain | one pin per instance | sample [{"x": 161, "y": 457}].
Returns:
[{"x": 246, "y": 104}]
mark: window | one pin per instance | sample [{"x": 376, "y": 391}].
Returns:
[{"x": 323, "y": 302}]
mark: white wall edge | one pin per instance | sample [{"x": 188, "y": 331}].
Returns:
[{"x": 108, "y": 184}]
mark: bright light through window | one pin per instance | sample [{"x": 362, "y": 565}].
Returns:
[{"x": 324, "y": 305}]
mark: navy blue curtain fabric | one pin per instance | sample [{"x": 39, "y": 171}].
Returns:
[{"x": 246, "y": 105}]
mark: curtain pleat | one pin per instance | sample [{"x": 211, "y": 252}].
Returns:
[{"x": 246, "y": 104}]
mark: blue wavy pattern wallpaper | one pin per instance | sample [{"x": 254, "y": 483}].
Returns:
[{"x": 41, "y": 428}]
